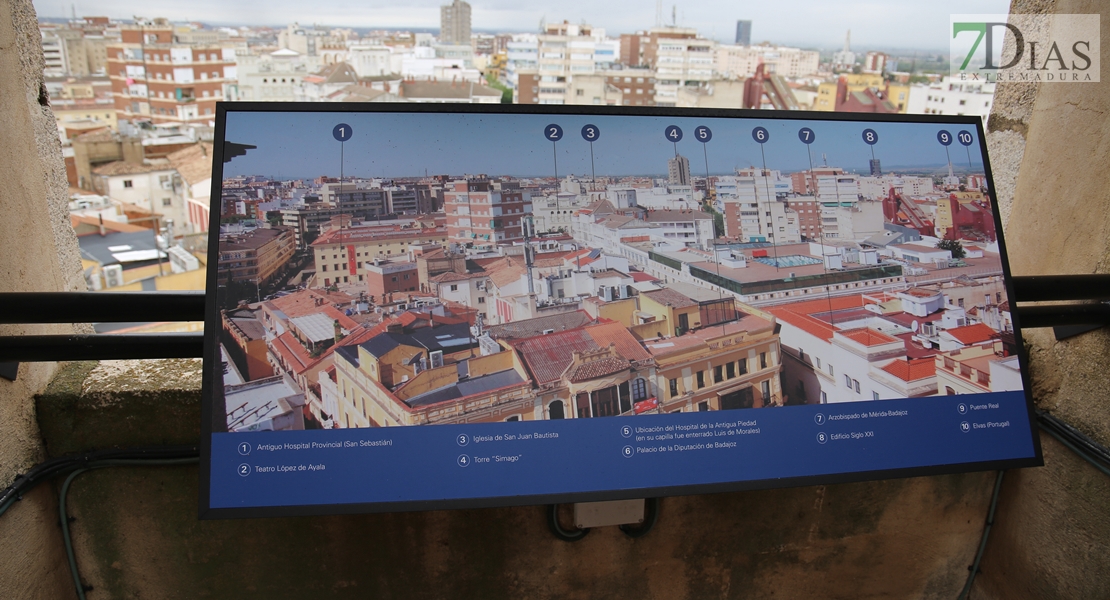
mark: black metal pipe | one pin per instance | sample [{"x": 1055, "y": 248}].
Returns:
[
  {"x": 48, "y": 348},
  {"x": 1048, "y": 288},
  {"x": 100, "y": 307},
  {"x": 1063, "y": 314}
]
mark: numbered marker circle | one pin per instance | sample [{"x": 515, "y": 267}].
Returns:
[
  {"x": 342, "y": 132},
  {"x": 591, "y": 133},
  {"x": 703, "y": 133},
  {"x": 673, "y": 133},
  {"x": 944, "y": 137},
  {"x": 965, "y": 138},
  {"x": 760, "y": 135},
  {"x": 553, "y": 132},
  {"x": 806, "y": 135},
  {"x": 870, "y": 137}
]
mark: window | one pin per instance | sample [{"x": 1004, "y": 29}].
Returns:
[
  {"x": 817, "y": 361},
  {"x": 765, "y": 387},
  {"x": 960, "y": 302},
  {"x": 855, "y": 384},
  {"x": 848, "y": 382},
  {"x": 674, "y": 387},
  {"x": 167, "y": 202},
  {"x": 874, "y": 395},
  {"x": 718, "y": 376},
  {"x": 127, "y": 183},
  {"x": 703, "y": 407},
  {"x": 743, "y": 364},
  {"x": 701, "y": 379},
  {"x": 639, "y": 389},
  {"x": 831, "y": 373},
  {"x": 730, "y": 371},
  {"x": 762, "y": 360},
  {"x": 824, "y": 398},
  {"x": 481, "y": 299},
  {"x": 325, "y": 268},
  {"x": 454, "y": 288}
]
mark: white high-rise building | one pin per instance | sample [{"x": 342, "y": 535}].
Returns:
[
  {"x": 951, "y": 96},
  {"x": 741, "y": 61},
  {"x": 680, "y": 58}
]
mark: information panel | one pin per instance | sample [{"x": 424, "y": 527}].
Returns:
[{"x": 415, "y": 307}]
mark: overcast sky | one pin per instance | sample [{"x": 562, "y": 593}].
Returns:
[
  {"x": 808, "y": 23},
  {"x": 301, "y": 144}
]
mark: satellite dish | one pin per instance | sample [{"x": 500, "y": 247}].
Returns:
[{"x": 913, "y": 326}]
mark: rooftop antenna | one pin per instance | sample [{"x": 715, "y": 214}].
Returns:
[
  {"x": 658, "y": 13},
  {"x": 674, "y": 15}
]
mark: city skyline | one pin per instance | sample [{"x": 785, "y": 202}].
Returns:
[
  {"x": 627, "y": 146},
  {"x": 813, "y": 24}
]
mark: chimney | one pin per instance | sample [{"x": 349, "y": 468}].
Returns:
[{"x": 103, "y": 231}]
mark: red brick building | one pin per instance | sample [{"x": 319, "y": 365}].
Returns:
[
  {"x": 486, "y": 212},
  {"x": 155, "y": 77},
  {"x": 391, "y": 277}
]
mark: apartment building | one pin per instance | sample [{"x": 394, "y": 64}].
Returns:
[{"x": 157, "y": 76}]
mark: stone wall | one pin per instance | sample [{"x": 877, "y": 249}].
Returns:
[
  {"x": 1052, "y": 142},
  {"x": 39, "y": 252}
]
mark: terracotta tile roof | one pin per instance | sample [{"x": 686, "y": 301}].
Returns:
[
  {"x": 193, "y": 163},
  {"x": 119, "y": 167},
  {"x": 912, "y": 370},
  {"x": 614, "y": 333},
  {"x": 450, "y": 276},
  {"x": 669, "y": 297},
  {"x": 799, "y": 314},
  {"x": 867, "y": 336},
  {"x": 344, "y": 321},
  {"x": 597, "y": 368},
  {"x": 640, "y": 276},
  {"x": 972, "y": 334},
  {"x": 505, "y": 272},
  {"x": 301, "y": 303},
  {"x": 291, "y": 352},
  {"x": 548, "y": 356}
]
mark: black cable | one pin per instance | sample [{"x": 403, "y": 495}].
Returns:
[
  {"x": 41, "y": 472},
  {"x": 1090, "y": 450},
  {"x": 651, "y": 515},
  {"x": 558, "y": 531},
  {"x": 974, "y": 568}
]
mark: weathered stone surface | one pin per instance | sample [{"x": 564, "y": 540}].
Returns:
[
  {"x": 91, "y": 406},
  {"x": 1051, "y": 533},
  {"x": 137, "y": 534},
  {"x": 39, "y": 252}
]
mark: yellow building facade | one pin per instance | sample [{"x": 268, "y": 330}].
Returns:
[{"x": 730, "y": 366}]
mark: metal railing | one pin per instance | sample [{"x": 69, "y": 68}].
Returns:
[{"x": 1086, "y": 297}]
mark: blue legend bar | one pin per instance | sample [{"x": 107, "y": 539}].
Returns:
[{"x": 582, "y": 456}]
